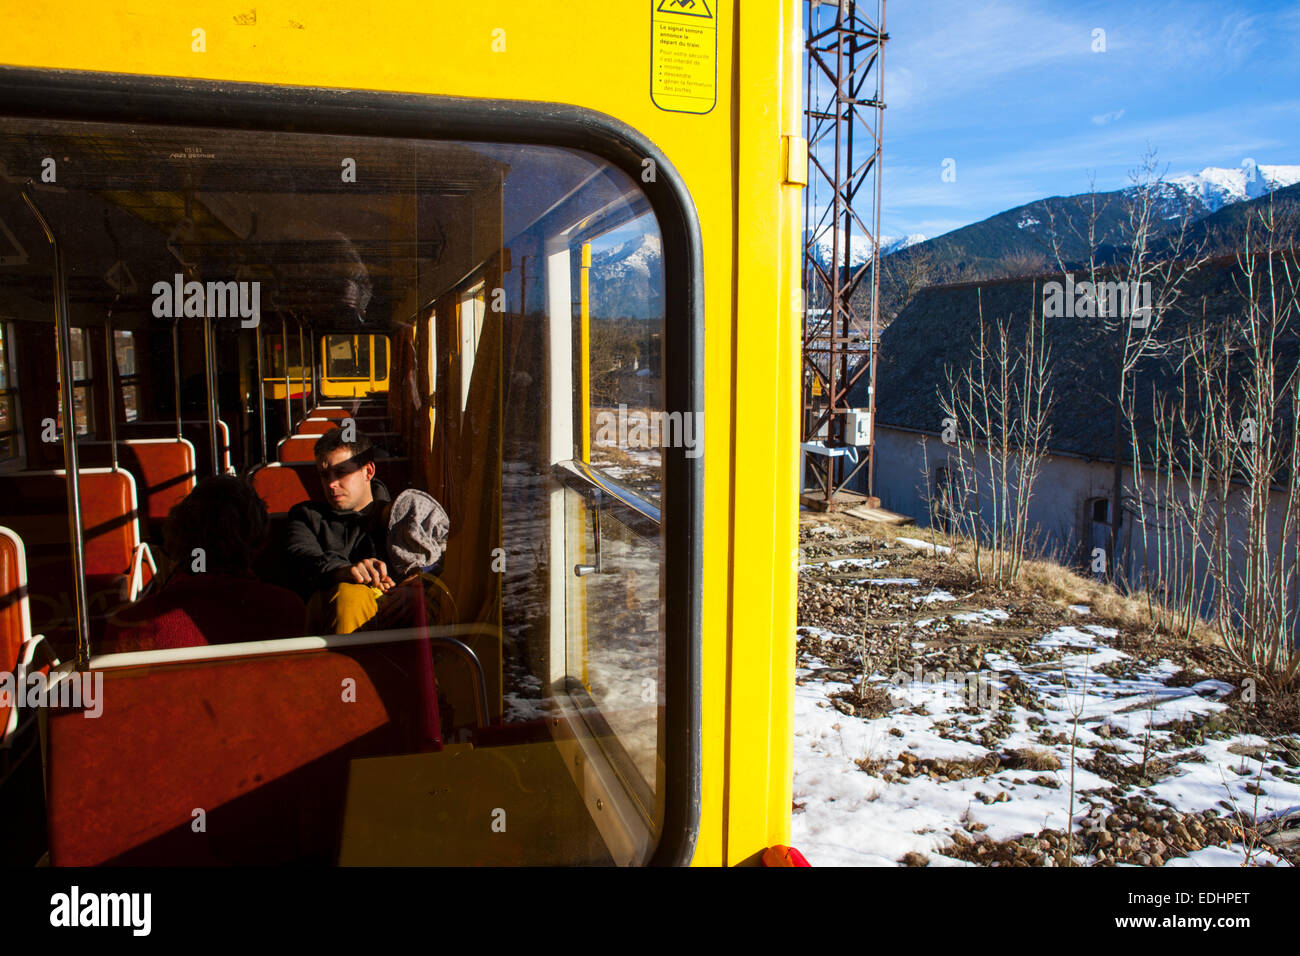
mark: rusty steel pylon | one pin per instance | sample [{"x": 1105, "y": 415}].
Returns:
[{"x": 844, "y": 120}]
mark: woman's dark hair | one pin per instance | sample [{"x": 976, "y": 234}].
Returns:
[{"x": 224, "y": 516}]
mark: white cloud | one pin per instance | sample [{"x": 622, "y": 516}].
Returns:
[{"x": 1101, "y": 119}]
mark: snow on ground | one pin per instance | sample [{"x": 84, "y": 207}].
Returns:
[
  {"x": 847, "y": 564},
  {"x": 860, "y": 801},
  {"x": 925, "y": 545}
]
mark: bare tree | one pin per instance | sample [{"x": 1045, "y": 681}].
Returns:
[
  {"x": 1022, "y": 262},
  {"x": 904, "y": 274},
  {"x": 997, "y": 413},
  {"x": 1229, "y": 449},
  {"x": 1131, "y": 328}
]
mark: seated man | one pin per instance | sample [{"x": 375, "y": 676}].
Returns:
[
  {"x": 212, "y": 595},
  {"x": 337, "y": 549}
]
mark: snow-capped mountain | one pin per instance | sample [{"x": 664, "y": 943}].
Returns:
[
  {"x": 1215, "y": 187},
  {"x": 860, "y": 248},
  {"x": 627, "y": 280}
]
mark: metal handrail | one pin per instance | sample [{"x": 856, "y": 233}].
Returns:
[
  {"x": 284, "y": 349},
  {"x": 63, "y": 343},
  {"x": 261, "y": 391},
  {"x": 584, "y": 479},
  {"x": 210, "y": 375},
  {"x": 110, "y": 366}
]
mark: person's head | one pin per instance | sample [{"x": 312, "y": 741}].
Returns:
[
  {"x": 224, "y": 517},
  {"x": 417, "y": 532},
  {"x": 345, "y": 468}
]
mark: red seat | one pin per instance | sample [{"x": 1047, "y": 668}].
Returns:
[
  {"x": 193, "y": 431},
  {"x": 282, "y": 485},
  {"x": 262, "y": 745},
  {"x": 117, "y": 564},
  {"x": 164, "y": 470},
  {"x": 17, "y": 645},
  {"x": 297, "y": 449},
  {"x": 316, "y": 426}
]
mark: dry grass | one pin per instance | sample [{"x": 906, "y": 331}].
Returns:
[
  {"x": 1051, "y": 581},
  {"x": 1032, "y": 758}
]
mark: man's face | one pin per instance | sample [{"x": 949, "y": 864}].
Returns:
[{"x": 347, "y": 485}]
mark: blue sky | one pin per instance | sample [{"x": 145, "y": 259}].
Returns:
[{"x": 1012, "y": 91}]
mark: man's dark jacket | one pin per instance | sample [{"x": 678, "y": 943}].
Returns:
[{"x": 322, "y": 541}]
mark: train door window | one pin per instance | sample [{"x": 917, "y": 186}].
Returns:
[
  {"x": 347, "y": 356},
  {"x": 82, "y": 385},
  {"x": 540, "y": 636},
  {"x": 10, "y": 419},
  {"x": 127, "y": 374}
]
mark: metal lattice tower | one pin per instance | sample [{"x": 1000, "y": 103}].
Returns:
[{"x": 844, "y": 121}]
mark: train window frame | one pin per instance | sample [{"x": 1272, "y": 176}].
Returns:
[{"x": 123, "y": 99}]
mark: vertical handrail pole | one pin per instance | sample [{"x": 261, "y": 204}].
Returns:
[
  {"x": 176, "y": 371},
  {"x": 261, "y": 391},
  {"x": 302, "y": 368},
  {"x": 111, "y": 366},
  {"x": 284, "y": 348},
  {"x": 210, "y": 374},
  {"x": 311, "y": 341},
  {"x": 63, "y": 343}
]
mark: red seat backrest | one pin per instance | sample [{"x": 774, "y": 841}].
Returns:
[
  {"x": 193, "y": 431},
  {"x": 316, "y": 426},
  {"x": 15, "y": 620},
  {"x": 38, "y": 505},
  {"x": 164, "y": 469},
  {"x": 262, "y": 745},
  {"x": 298, "y": 449},
  {"x": 282, "y": 485},
  {"x": 109, "y": 520}
]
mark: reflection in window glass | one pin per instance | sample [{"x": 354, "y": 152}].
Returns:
[
  {"x": 624, "y": 290},
  {"x": 522, "y": 291}
]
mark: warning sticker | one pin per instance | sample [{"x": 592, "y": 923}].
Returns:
[{"x": 683, "y": 55}]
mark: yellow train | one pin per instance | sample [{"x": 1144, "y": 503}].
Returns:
[{"x": 546, "y": 256}]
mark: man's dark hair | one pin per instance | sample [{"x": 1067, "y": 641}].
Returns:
[
  {"x": 225, "y": 517},
  {"x": 360, "y": 446}
]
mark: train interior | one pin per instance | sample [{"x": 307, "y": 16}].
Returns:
[{"x": 214, "y": 301}]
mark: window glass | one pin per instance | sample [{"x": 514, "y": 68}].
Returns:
[
  {"x": 509, "y": 708},
  {"x": 624, "y": 291},
  {"x": 347, "y": 356},
  {"x": 124, "y": 358}
]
